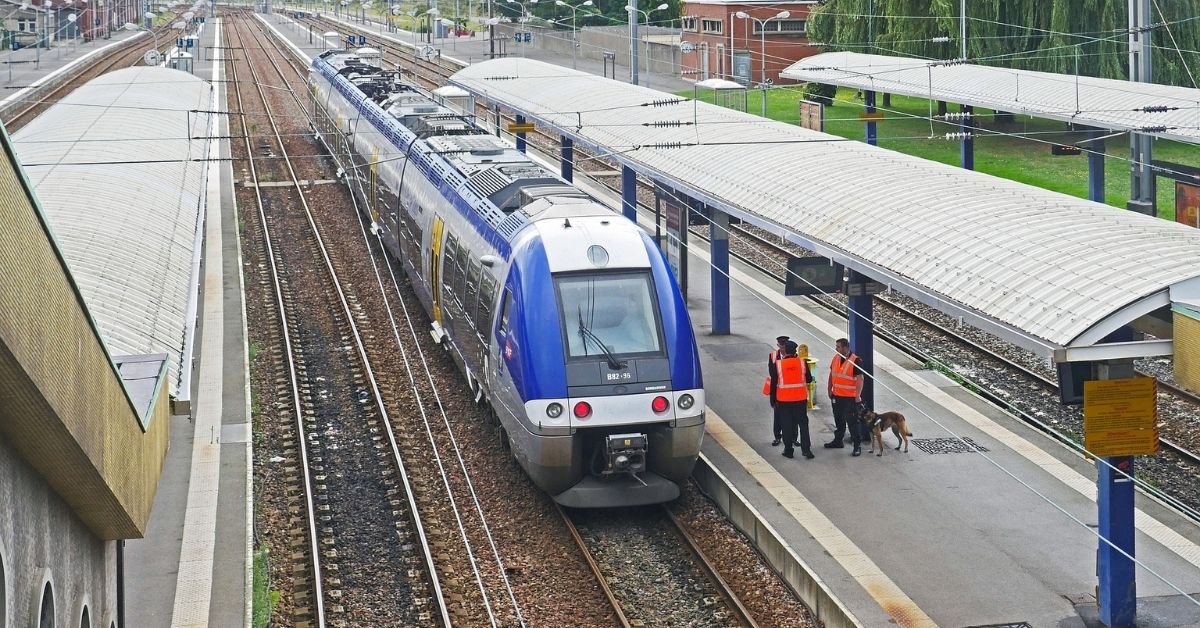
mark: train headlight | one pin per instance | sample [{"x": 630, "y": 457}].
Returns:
[
  {"x": 554, "y": 410},
  {"x": 686, "y": 402},
  {"x": 582, "y": 410},
  {"x": 660, "y": 404}
]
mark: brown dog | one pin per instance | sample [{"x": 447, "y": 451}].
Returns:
[{"x": 880, "y": 422}]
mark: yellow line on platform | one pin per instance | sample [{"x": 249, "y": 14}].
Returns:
[{"x": 878, "y": 585}]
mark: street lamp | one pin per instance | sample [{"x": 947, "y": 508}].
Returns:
[
  {"x": 130, "y": 26},
  {"x": 574, "y": 33},
  {"x": 762, "y": 30},
  {"x": 633, "y": 38},
  {"x": 434, "y": 17},
  {"x": 525, "y": 15}
]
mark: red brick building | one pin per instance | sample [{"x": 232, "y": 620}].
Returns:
[{"x": 718, "y": 43}]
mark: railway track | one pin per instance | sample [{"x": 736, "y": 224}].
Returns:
[
  {"x": 651, "y": 569},
  {"x": 1179, "y": 441},
  {"x": 127, "y": 55},
  {"x": 353, "y": 532}
]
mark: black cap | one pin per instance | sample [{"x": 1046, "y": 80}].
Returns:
[
  {"x": 790, "y": 347},
  {"x": 782, "y": 339}
]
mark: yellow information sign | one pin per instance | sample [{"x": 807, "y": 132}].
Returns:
[
  {"x": 521, "y": 127},
  {"x": 1120, "y": 417},
  {"x": 871, "y": 116}
]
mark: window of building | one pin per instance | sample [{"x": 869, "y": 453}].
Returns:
[
  {"x": 781, "y": 27},
  {"x": 27, "y": 25},
  {"x": 689, "y": 23},
  {"x": 716, "y": 27},
  {"x": 46, "y": 615}
]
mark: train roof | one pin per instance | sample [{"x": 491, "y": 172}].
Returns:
[{"x": 502, "y": 184}]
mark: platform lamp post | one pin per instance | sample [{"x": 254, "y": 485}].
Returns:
[
  {"x": 130, "y": 26},
  {"x": 431, "y": 17},
  {"x": 633, "y": 19},
  {"x": 575, "y": 33},
  {"x": 523, "y": 19},
  {"x": 762, "y": 31}
]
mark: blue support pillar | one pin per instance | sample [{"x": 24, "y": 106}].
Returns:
[
  {"x": 629, "y": 193},
  {"x": 718, "y": 233},
  {"x": 869, "y": 108},
  {"x": 966, "y": 148},
  {"x": 1095, "y": 165},
  {"x": 568, "y": 158},
  {"x": 1114, "y": 498},
  {"x": 521, "y": 136},
  {"x": 862, "y": 336}
]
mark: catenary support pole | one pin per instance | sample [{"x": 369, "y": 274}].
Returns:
[
  {"x": 1117, "y": 590},
  {"x": 862, "y": 340},
  {"x": 567, "y": 158},
  {"x": 1095, "y": 165},
  {"x": 629, "y": 193},
  {"x": 718, "y": 233},
  {"x": 869, "y": 108},
  {"x": 1141, "y": 185},
  {"x": 966, "y": 146},
  {"x": 520, "y": 136}
]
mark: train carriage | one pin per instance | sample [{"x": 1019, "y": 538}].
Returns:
[{"x": 563, "y": 316}]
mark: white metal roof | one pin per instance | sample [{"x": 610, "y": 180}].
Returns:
[
  {"x": 1043, "y": 269},
  {"x": 1095, "y": 102},
  {"x": 123, "y": 187}
]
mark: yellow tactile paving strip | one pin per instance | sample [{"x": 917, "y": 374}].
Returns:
[
  {"x": 878, "y": 585},
  {"x": 193, "y": 585},
  {"x": 1146, "y": 524}
]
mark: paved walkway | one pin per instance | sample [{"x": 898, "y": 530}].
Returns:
[
  {"x": 194, "y": 567},
  {"x": 20, "y": 69}
]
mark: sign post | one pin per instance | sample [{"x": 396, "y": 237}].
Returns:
[
  {"x": 1119, "y": 422},
  {"x": 677, "y": 231},
  {"x": 1187, "y": 204}
]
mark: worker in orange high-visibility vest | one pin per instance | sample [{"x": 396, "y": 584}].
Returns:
[
  {"x": 774, "y": 356},
  {"x": 789, "y": 396},
  {"x": 845, "y": 391}
]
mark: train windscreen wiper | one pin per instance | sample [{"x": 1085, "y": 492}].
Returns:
[{"x": 586, "y": 334}]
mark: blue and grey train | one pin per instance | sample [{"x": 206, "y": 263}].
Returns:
[{"x": 563, "y": 316}]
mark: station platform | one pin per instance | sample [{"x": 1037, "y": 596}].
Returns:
[
  {"x": 948, "y": 537},
  {"x": 193, "y": 568},
  {"x": 24, "y": 68},
  {"x": 469, "y": 50}
]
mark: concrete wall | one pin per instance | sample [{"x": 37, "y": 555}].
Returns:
[
  {"x": 41, "y": 539},
  {"x": 807, "y": 585},
  {"x": 63, "y": 407},
  {"x": 594, "y": 41},
  {"x": 1187, "y": 347}
]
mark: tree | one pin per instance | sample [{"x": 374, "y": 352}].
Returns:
[{"x": 1048, "y": 35}]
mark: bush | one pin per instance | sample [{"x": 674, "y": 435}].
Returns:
[{"x": 820, "y": 92}]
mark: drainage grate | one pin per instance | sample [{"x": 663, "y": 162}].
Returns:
[
  {"x": 1016, "y": 624},
  {"x": 952, "y": 446}
]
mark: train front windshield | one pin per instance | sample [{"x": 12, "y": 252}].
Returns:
[{"x": 609, "y": 312}]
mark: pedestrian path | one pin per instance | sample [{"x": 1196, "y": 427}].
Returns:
[{"x": 24, "y": 69}]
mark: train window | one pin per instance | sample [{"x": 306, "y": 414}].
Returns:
[
  {"x": 617, "y": 310},
  {"x": 472, "y": 290},
  {"x": 449, "y": 264},
  {"x": 460, "y": 278},
  {"x": 506, "y": 311},
  {"x": 487, "y": 304}
]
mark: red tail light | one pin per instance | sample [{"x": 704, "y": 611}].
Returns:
[
  {"x": 583, "y": 410},
  {"x": 660, "y": 404}
]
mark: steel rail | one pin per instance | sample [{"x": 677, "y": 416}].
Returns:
[
  {"x": 116, "y": 57},
  {"x": 297, "y": 407},
  {"x": 731, "y": 598},
  {"x": 595, "y": 567},
  {"x": 427, "y": 555}
]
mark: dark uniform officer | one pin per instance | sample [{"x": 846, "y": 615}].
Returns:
[
  {"x": 845, "y": 391},
  {"x": 774, "y": 356},
  {"x": 789, "y": 396}
]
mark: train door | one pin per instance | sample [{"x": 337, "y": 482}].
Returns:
[
  {"x": 373, "y": 195},
  {"x": 435, "y": 254}
]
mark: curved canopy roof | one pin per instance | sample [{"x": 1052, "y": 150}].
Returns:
[
  {"x": 122, "y": 182},
  {"x": 1094, "y": 102},
  {"x": 1044, "y": 270}
]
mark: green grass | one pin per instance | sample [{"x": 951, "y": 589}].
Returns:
[
  {"x": 1015, "y": 158},
  {"x": 253, "y": 350},
  {"x": 265, "y": 599}
]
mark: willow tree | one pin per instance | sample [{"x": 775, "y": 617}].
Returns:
[{"x": 1088, "y": 36}]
